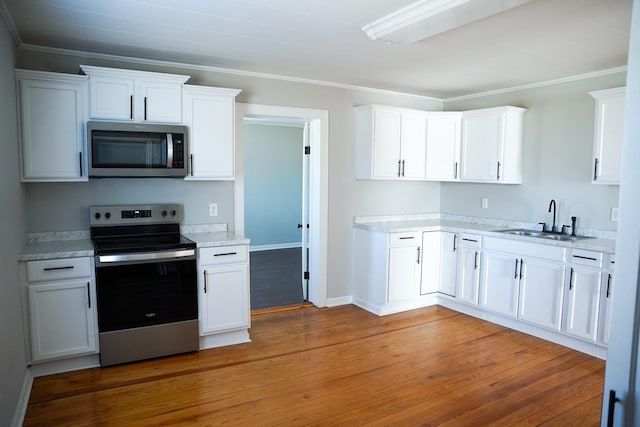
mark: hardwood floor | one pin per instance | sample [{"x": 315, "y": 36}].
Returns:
[{"x": 340, "y": 366}]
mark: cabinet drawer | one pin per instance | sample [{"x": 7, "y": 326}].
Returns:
[
  {"x": 588, "y": 258},
  {"x": 526, "y": 249},
  {"x": 56, "y": 269},
  {"x": 222, "y": 255},
  {"x": 405, "y": 239}
]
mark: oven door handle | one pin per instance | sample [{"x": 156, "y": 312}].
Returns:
[{"x": 148, "y": 256}]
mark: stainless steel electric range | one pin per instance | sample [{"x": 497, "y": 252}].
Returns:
[{"x": 146, "y": 283}]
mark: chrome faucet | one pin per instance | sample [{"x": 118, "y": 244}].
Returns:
[{"x": 553, "y": 227}]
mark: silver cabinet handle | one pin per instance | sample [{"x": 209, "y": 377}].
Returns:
[
  {"x": 191, "y": 161},
  {"x": 226, "y": 254},
  {"x": 80, "y": 158},
  {"x": 609, "y": 286},
  {"x": 455, "y": 173},
  {"x": 571, "y": 279},
  {"x": 131, "y": 107},
  {"x": 455, "y": 241},
  {"x": 89, "y": 294},
  {"x": 498, "y": 174},
  {"x": 145, "y": 108},
  {"x": 403, "y": 168},
  {"x": 521, "y": 267},
  {"x": 205, "y": 281},
  {"x": 475, "y": 261},
  {"x": 67, "y": 267},
  {"x": 418, "y": 260},
  {"x": 515, "y": 275},
  {"x": 595, "y": 170}
]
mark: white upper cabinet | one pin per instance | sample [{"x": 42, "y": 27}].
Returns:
[
  {"x": 608, "y": 135},
  {"x": 491, "y": 147},
  {"x": 210, "y": 115},
  {"x": 52, "y": 113},
  {"x": 443, "y": 145},
  {"x": 390, "y": 143},
  {"x": 139, "y": 96}
]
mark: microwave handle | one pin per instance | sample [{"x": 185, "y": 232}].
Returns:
[{"x": 169, "y": 150}]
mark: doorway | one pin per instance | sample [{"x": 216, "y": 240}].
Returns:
[
  {"x": 275, "y": 196},
  {"x": 318, "y": 141}
]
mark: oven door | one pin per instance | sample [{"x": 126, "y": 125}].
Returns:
[{"x": 137, "y": 290}]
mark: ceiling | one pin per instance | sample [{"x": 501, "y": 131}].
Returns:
[{"x": 322, "y": 40}]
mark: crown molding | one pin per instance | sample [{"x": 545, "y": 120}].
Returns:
[
  {"x": 4, "y": 13},
  {"x": 212, "y": 69},
  {"x": 539, "y": 84}
]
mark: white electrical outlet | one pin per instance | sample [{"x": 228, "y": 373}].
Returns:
[
  {"x": 485, "y": 203},
  {"x": 614, "y": 214},
  {"x": 213, "y": 209}
]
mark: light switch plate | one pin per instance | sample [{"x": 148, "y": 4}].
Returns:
[
  {"x": 213, "y": 209},
  {"x": 614, "y": 214},
  {"x": 485, "y": 203}
]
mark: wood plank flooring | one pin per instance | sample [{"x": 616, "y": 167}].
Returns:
[{"x": 340, "y": 366}]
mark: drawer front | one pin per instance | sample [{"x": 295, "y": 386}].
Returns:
[
  {"x": 223, "y": 255},
  {"x": 526, "y": 249},
  {"x": 588, "y": 258},
  {"x": 58, "y": 269},
  {"x": 405, "y": 239}
]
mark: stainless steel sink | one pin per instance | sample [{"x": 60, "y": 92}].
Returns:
[{"x": 543, "y": 235}]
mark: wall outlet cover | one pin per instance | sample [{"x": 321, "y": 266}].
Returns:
[
  {"x": 485, "y": 203},
  {"x": 614, "y": 214},
  {"x": 213, "y": 209}
]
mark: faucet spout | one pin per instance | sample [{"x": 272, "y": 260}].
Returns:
[{"x": 553, "y": 204}]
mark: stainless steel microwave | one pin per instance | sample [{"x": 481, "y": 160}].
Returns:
[{"x": 117, "y": 149}]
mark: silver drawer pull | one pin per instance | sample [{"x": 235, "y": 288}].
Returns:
[
  {"x": 585, "y": 257},
  {"x": 68, "y": 267},
  {"x": 226, "y": 253},
  {"x": 470, "y": 240}
]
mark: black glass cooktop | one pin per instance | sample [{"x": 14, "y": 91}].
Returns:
[{"x": 131, "y": 239}]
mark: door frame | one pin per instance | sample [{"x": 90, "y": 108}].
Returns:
[{"x": 318, "y": 213}]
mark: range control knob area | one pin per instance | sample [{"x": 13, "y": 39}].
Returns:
[
  {"x": 164, "y": 213},
  {"x": 173, "y": 213},
  {"x": 97, "y": 215},
  {"x": 107, "y": 215}
]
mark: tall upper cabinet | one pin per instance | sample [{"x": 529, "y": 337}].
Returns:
[
  {"x": 210, "y": 114},
  {"x": 491, "y": 148},
  {"x": 608, "y": 135},
  {"x": 52, "y": 112},
  {"x": 138, "y": 96}
]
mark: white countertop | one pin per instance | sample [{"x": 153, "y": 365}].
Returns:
[
  {"x": 489, "y": 230},
  {"x": 216, "y": 238}
]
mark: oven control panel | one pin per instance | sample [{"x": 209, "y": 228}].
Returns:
[{"x": 134, "y": 214}]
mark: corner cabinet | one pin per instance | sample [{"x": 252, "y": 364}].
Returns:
[
  {"x": 52, "y": 110},
  {"x": 491, "y": 147},
  {"x": 210, "y": 115},
  {"x": 390, "y": 143},
  {"x": 223, "y": 295},
  {"x": 139, "y": 96},
  {"x": 60, "y": 299},
  {"x": 443, "y": 146},
  {"x": 608, "y": 135}
]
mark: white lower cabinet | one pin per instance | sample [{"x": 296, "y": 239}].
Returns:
[
  {"x": 468, "y": 274},
  {"x": 500, "y": 282},
  {"x": 60, "y": 298},
  {"x": 223, "y": 289},
  {"x": 404, "y": 266},
  {"x": 439, "y": 262},
  {"x": 541, "y": 292},
  {"x": 583, "y": 294},
  {"x": 605, "y": 301}
]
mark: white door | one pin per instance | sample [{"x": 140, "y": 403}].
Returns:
[
  {"x": 443, "y": 146},
  {"x": 542, "y": 293},
  {"x": 448, "y": 262},
  {"x": 468, "y": 275},
  {"x": 386, "y": 144},
  {"x": 500, "y": 282},
  {"x": 305, "y": 221},
  {"x": 404, "y": 273},
  {"x": 583, "y": 302},
  {"x": 158, "y": 102},
  {"x": 413, "y": 145},
  {"x": 111, "y": 98},
  {"x": 481, "y": 148},
  {"x": 608, "y": 140}
]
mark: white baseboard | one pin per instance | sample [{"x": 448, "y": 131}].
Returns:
[
  {"x": 23, "y": 400},
  {"x": 224, "y": 339},
  {"x": 273, "y": 247},
  {"x": 334, "y": 302}
]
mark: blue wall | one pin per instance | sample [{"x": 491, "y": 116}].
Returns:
[{"x": 273, "y": 184}]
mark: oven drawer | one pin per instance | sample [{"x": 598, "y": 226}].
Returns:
[
  {"x": 57, "y": 269},
  {"x": 222, "y": 255}
]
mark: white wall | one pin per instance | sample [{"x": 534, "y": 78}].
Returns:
[
  {"x": 558, "y": 141},
  {"x": 13, "y": 231},
  {"x": 347, "y": 197}
]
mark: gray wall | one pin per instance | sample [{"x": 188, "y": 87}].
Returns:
[
  {"x": 13, "y": 231},
  {"x": 273, "y": 184},
  {"x": 557, "y": 163},
  {"x": 347, "y": 197}
]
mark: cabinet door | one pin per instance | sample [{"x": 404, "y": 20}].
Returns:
[
  {"x": 443, "y": 146},
  {"x": 605, "y": 311},
  {"x": 481, "y": 147},
  {"x": 468, "y": 275},
  {"x": 431, "y": 256},
  {"x": 61, "y": 319},
  {"x": 52, "y": 116},
  {"x": 448, "y": 263},
  {"x": 404, "y": 273},
  {"x": 608, "y": 138},
  {"x": 111, "y": 98},
  {"x": 223, "y": 298},
  {"x": 542, "y": 292},
  {"x": 386, "y": 144},
  {"x": 413, "y": 145},
  {"x": 158, "y": 101},
  {"x": 583, "y": 302},
  {"x": 210, "y": 118},
  {"x": 500, "y": 280}
]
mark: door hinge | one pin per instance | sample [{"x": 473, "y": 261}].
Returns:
[
  {"x": 307, "y": 149},
  {"x": 306, "y": 275}
]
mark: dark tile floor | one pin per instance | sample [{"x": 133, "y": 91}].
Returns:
[{"x": 276, "y": 278}]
